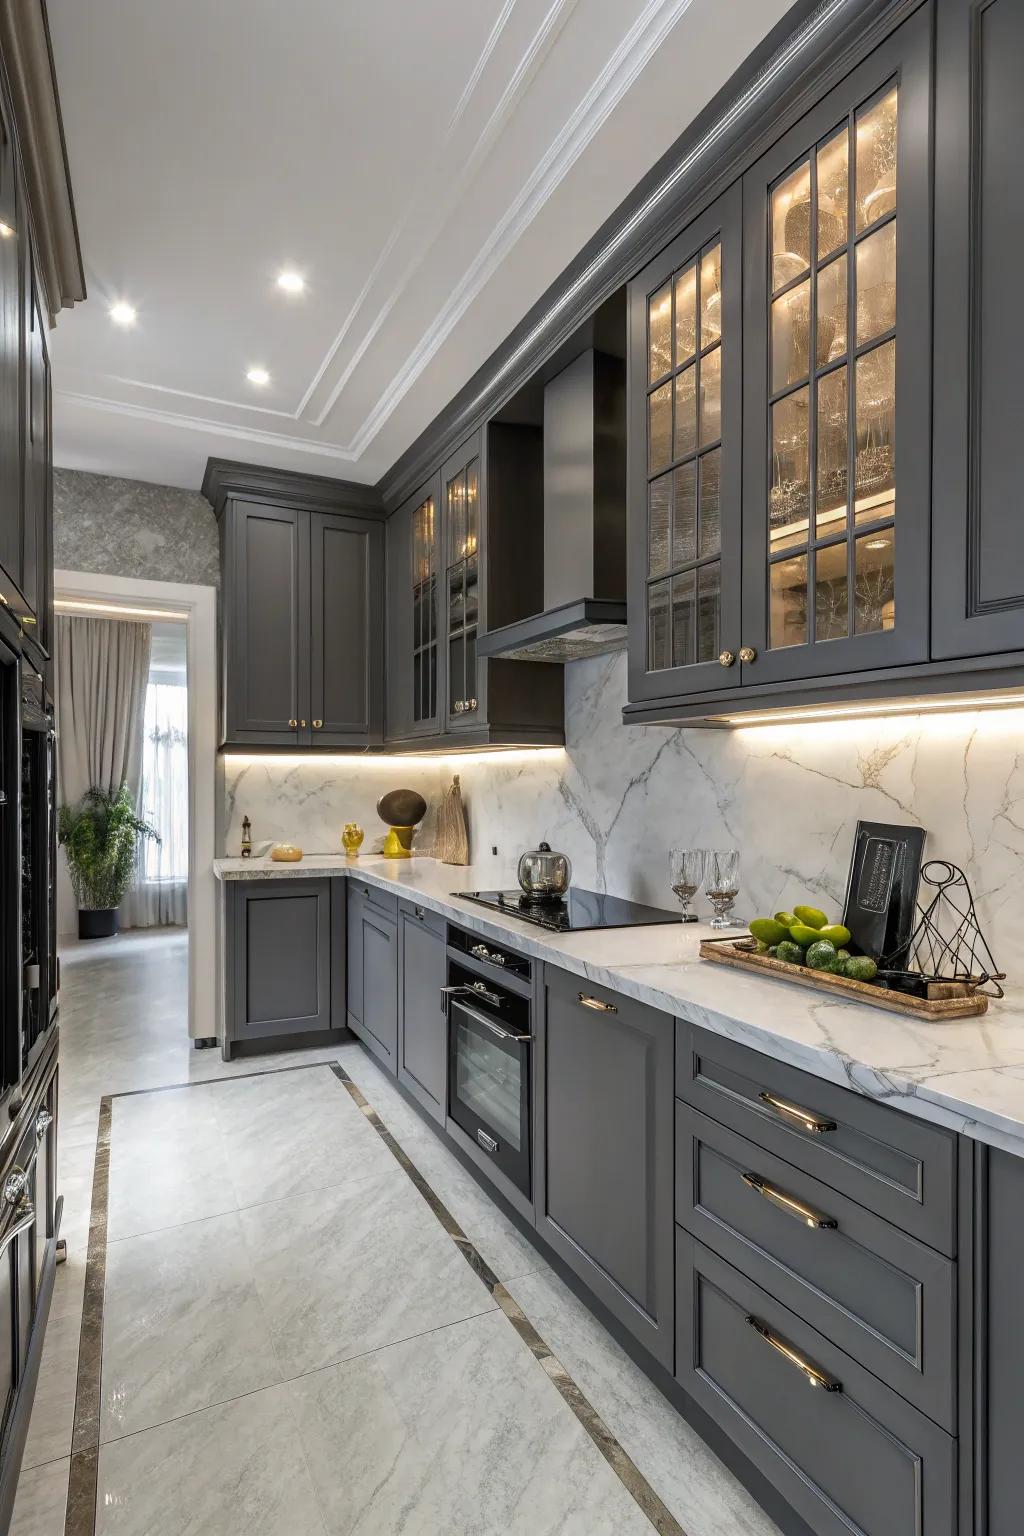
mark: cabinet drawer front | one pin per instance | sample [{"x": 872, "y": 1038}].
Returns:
[
  {"x": 850, "y": 1456},
  {"x": 896, "y": 1166},
  {"x": 383, "y": 900},
  {"x": 882, "y": 1296}
]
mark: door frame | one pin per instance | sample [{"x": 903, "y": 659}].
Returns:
[{"x": 197, "y": 607}]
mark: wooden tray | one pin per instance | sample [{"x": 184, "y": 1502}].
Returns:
[{"x": 740, "y": 953}]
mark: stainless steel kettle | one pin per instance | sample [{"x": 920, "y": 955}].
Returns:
[{"x": 544, "y": 875}]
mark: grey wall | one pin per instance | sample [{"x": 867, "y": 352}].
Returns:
[{"x": 132, "y": 528}]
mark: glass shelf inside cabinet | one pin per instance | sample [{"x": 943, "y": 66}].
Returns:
[
  {"x": 684, "y": 453},
  {"x": 832, "y": 384}
]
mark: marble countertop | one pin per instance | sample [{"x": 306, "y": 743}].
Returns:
[{"x": 967, "y": 1075}]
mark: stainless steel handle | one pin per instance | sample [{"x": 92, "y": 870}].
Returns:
[
  {"x": 796, "y": 1208},
  {"x": 486, "y": 1141},
  {"x": 474, "y": 989},
  {"x": 817, "y": 1124},
  {"x": 43, "y": 1122},
  {"x": 495, "y": 1029},
  {"x": 23, "y": 1218},
  {"x": 596, "y": 1004},
  {"x": 815, "y": 1378},
  {"x": 481, "y": 952}
]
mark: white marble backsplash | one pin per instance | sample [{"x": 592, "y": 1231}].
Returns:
[{"x": 618, "y": 797}]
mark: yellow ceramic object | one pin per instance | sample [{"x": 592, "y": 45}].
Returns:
[
  {"x": 351, "y": 838},
  {"x": 285, "y": 853},
  {"x": 398, "y": 843}
]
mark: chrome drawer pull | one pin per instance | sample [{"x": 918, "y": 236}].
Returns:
[
  {"x": 486, "y": 1141},
  {"x": 44, "y": 1120},
  {"x": 803, "y": 1213},
  {"x": 23, "y": 1218},
  {"x": 474, "y": 989},
  {"x": 596, "y": 1004},
  {"x": 806, "y": 1117},
  {"x": 814, "y": 1377}
]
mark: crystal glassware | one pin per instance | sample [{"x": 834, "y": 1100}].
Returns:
[
  {"x": 687, "y": 870},
  {"x": 722, "y": 882}
]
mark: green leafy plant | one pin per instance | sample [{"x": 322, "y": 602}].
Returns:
[{"x": 100, "y": 837}]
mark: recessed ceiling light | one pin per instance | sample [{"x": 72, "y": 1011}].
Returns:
[
  {"x": 291, "y": 282},
  {"x": 258, "y": 376},
  {"x": 6, "y": 230},
  {"x": 122, "y": 313}
]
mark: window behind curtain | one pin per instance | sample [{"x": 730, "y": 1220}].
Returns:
[{"x": 165, "y": 777}]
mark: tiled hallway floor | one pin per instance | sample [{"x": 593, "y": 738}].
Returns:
[{"x": 292, "y": 1342}]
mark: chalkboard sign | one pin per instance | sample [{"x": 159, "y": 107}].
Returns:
[{"x": 881, "y": 893}]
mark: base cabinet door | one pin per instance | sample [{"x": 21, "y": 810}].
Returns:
[
  {"x": 604, "y": 1150},
  {"x": 354, "y": 956},
  {"x": 379, "y": 962},
  {"x": 422, "y": 1028},
  {"x": 282, "y": 939},
  {"x": 1000, "y": 1372}
]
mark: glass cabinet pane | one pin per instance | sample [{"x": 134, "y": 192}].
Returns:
[
  {"x": 833, "y": 171},
  {"x": 711, "y": 397},
  {"x": 659, "y": 496},
  {"x": 685, "y": 412},
  {"x": 424, "y": 612},
  {"x": 709, "y": 603},
  {"x": 791, "y": 336},
  {"x": 686, "y": 315},
  {"x": 791, "y": 227},
  {"x": 874, "y": 583},
  {"x": 710, "y": 506},
  {"x": 832, "y": 452},
  {"x": 788, "y": 602},
  {"x": 711, "y": 296},
  {"x": 659, "y": 334},
  {"x": 684, "y": 514},
  {"x": 789, "y": 499},
  {"x": 463, "y": 587},
  {"x": 831, "y": 599},
  {"x": 876, "y": 160},
  {"x": 876, "y": 283},
  {"x": 684, "y": 619},
  {"x": 658, "y": 635},
  {"x": 830, "y": 320},
  {"x": 875, "y": 424},
  {"x": 659, "y": 428}
]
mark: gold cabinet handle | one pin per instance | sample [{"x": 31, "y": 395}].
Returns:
[
  {"x": 302, "y": 725},
  {"x": 726, "y": 658},
  {"x": 317, "y": 725},
  {"x": 817, "y": 1124},
  {"x": 293, "y": 725},
  {"x": 747, "y": 653},
  {"x": 471, "y": 704},
  {"x": 814, "y": 1377},
  {"x": 802, "y": 1213},
  {"x": 596, "y": 1004}
]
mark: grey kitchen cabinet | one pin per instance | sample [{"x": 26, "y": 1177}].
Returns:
[
  {"x": 285, "y": 964},
  {"x": 999, "y": 1369},
  {"x": 978, "y": 551},
  {"x": 11, "y": 255},
  {"x": 414, "y": 663},
  {"x": 373, "y": 970},
  {"x": 302, "y": 649},
  {"x": 422, "y": 1025},
  {"x": 604, "y": 1136}
]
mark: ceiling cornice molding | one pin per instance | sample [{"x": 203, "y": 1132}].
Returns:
[
  {"x": 226, "y": 478},
  {"x": 815, "y": 44}
]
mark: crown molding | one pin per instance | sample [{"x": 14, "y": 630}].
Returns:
[{"x": 226, "y": 478}]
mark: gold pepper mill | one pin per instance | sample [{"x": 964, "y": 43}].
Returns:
[{"x": 246, "y": 838}]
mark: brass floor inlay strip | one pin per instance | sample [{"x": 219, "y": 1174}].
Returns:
[
  {"x": 80, "y": 1516},
  {"x": 627, "y": 1471}
]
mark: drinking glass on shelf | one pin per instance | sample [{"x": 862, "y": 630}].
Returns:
[
  {"x": 687, "y": 870},
  {"x": 722, "y": 882}
]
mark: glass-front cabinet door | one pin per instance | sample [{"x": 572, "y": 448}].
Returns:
[
  {"x": 423, "y": 579},
  {"x": 685, "y": 460},
  {"x": 461, "y": 490},
  {"x": 837, "y": 383}
]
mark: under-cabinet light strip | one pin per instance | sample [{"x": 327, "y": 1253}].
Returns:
[
  {"x": 116, "y": 610},
  {"x": 951, "y": 706}
]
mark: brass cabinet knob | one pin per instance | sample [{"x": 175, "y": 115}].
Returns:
[
  {"x": 471, "y": 703},
  {"x": 460, "y": 705},
  {"x": 293, "y": 725},
  {"x": 302, "y": 725},
  {"x": 726, "y": 658},
  {"x": 747, "y": 653},
  {"x": 317, "y": 725}
]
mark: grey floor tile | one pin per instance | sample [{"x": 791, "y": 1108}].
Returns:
[
  {"x": 458, "y": 1431},
  {"x": 182, "y": 1325},
  {"x": 341, "y": 1271},
  {"x": 702, "y": 1494},
  {"x": 233, "y": 1470},
  {"x": 41, "y": 1501},
  {"x": 173, "y": 1171},
  {"x": 53, "y": 1408}
]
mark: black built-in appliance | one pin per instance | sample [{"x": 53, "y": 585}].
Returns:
[
  {"x": 575, "y": 912},
  {"x": 37, "y": 861}
]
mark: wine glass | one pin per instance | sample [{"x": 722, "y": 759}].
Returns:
[
  {"x": 722, "y": 882},
  {"x": 687, "y": 872}
]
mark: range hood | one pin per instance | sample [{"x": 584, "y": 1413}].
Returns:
[{"x": 584, "y": 610}]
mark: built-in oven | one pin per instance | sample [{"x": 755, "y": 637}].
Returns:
[
  {"x": 38, "y": 861},
  {"x": 489, "y": 1057}
]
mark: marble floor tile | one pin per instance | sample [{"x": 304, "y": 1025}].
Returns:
[
  {"x": 53, "y": 1409},
  {"x": 292, "y": 1132},
  {"x": 458, "y": 1431},
  {"x": 168, "y": 1168},
  {"x": 41, "y": 1500},
  {"x": 182, "y": 1326},
  {"x": 702, "y": 1493},
  {"x": 342, "y": 1271},
  {"x": 234, "y": 1470}
]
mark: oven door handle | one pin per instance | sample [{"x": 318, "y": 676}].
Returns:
[
  {"x": 495, "y": 1029},
  {"x": 467, "y": 989}
]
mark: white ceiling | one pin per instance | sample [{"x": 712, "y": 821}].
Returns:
[{"x": 430, "y": 166}]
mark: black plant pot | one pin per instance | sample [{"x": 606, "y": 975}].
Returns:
[{"x": 98, "y": 923}]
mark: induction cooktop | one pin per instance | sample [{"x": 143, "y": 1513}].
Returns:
[{"x": 575, "y": 912}]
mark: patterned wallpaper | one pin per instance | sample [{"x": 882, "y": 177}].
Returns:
[{"x": 132, "y": 528}]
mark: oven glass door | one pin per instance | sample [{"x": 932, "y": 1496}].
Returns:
[{"x": 489, "y": 1089}]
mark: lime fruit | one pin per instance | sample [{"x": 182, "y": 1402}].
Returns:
[
  {"x": 811, "y": 916},
  {"x": 768, "y": 930},
  {"x": 861, "y": 968},
  {"x": 787, "y": 919},
  {"x": 821, "y": 955},
  {"x": 835, "y": 933},
  {"x": 790, "y": 952},
  {"x": 801, "y": 934}
]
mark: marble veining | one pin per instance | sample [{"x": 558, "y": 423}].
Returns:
[{"x": 954, "y": 1074}]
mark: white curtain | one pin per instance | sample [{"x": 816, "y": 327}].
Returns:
[{"x": 160, "y": 893}]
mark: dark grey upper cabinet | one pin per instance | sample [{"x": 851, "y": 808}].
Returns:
[
  {"x": 263, "y": 563},
  {"x": 10, "y": 372},
  {"x": 462, "y": 566},
  {"x": 685, "y": 370},
  {"x": 978, "y": 551},
  {"x": 604, "y": 1131},
  {"x": 414, "y": 662},
  {"x": 837, "y": 345},
  {"x": 36, "y": 554},
  {"x": 303, "y": 643},
  {"x": 346, "y": 560},
  {"x": 422, "y": 1026}
]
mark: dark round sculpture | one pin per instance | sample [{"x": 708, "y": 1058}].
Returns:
[{"x": 402, "y": 808}]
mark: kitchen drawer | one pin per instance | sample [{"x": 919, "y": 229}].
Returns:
[
  {"x": 895, "y": 1165},
  {"x": 383, "y": 900},
  {"x": 882, "y": 1296},
  {"x": 850, "y": 1456}
]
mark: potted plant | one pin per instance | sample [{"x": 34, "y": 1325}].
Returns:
[{"x": 100, "y": 837}]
